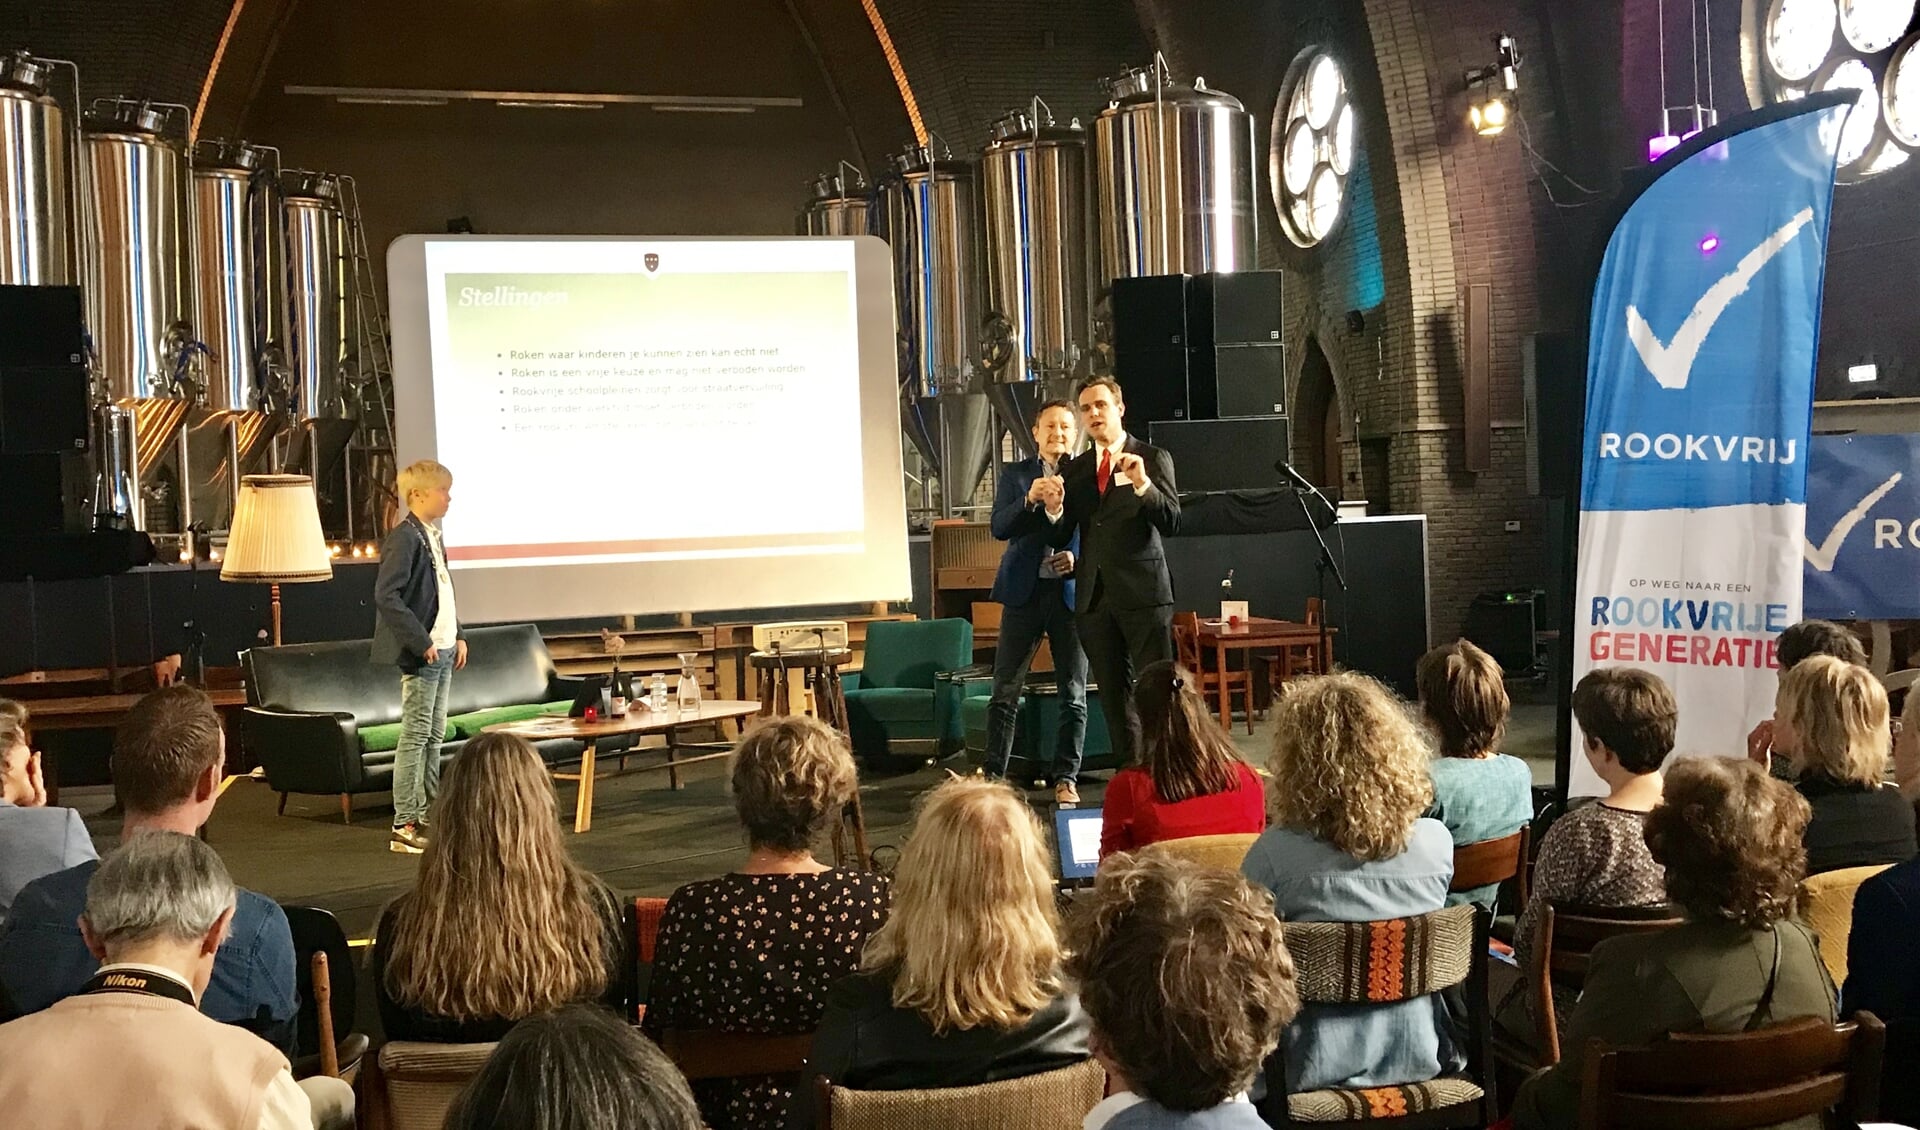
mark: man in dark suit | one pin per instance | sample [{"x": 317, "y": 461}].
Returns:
[
  {"x": 1035, "y": 589},
  {"x": 1120, "y": 501}
]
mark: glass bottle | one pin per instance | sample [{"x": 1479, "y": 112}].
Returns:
[
  {"x": 617, "y": 685},
  {"x": 689, "y": 681},
  {"x": 657, "y": 693}
]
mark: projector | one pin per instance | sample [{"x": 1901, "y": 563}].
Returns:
[{"x": 800, "y": 635}]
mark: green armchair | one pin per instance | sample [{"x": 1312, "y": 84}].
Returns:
[{"x": 892, "y": 701}]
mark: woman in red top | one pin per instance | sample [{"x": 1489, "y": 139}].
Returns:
[{"x": 1191, "y": 781}]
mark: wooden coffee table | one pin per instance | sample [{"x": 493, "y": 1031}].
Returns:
[{"x": 637, "y": 722}]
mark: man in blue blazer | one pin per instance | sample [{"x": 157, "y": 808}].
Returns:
[{"x": 1035, "y": 588}]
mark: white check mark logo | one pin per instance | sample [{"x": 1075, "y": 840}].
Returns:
[
  {"x": 1821, "y": 556},
  {"x": 1671, "y": 363}
]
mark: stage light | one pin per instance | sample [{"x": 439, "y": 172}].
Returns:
[
  {"x": 1677, "y": 124},
  {"x": 1709, "y": 245},
  {"x": 1491, "y": 89}
]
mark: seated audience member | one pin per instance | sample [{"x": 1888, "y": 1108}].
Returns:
[
  {"x": 1596, "y": 855},
  {"x": 1181, "y": 1055},
  {"x": 1883, "y": 978},
  {"x": 1348, "y": 844},
  {"x": 1191, "y": 781},
  {"x": 1803, "y": 641},
  {"x": 962, "y": 985},
  {"x": 756, "y": 951},
  {"x": 35, "y": 840},
  {"x": 576, "y": 1068},
  {"x": 131, "y": 1048},
  {"x": 1830, "y": 721},
  {"x": 1479, "y": 793},
  {"x": 168, "y": 758},
  {"x": 1729, "y": 837},
  {"x": 501, "y": 923},
  {"x": 1906, "y": 748}
]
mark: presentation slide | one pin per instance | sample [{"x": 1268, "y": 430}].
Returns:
[{"x": 654, "y": 425}]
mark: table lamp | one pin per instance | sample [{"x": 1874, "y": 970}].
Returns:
[{"x": 276, "y": 538}]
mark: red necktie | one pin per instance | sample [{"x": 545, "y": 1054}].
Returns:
[{"x": 1105, "y": 474}]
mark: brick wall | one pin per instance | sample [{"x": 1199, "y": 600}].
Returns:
[{"x": 155, "y": 49}]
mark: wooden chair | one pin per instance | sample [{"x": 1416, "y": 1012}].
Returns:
[
  {"x": 1186, "y": 646},
  {"x": 728, "y": 1055},
  {"x": 1490, "y": 862},
  {"x": 645, "y": 916},
  {"x": 1225, "y": 851},
  {"x": 1567, "y": 934},
  {"x": 1296, "y": 659},
  {"x": 1051, "y": 1100},
  {"x": 1441, "y": 952},
  {"x": 1826, "y": 904},
  {"x": 409, "y": 1086},
  {"x": 1737, "y": 1080},
  {"x": 326, "y": 979}
]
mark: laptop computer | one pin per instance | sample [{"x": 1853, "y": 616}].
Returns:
[{"x": 1076, "y": 842}]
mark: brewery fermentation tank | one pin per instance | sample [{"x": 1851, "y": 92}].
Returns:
[
  {"x": 229, "y": 286},
  {"x": 930, "y": 223},
  {"x": 1173, "y": 172},
  {"x": 1035, "y": 332},
  {"x": 140, "y": 306},
  {"x": 837, "y": 205},
  {"x": 317, "y": 289},
  {"x": 39, "y": 242}
]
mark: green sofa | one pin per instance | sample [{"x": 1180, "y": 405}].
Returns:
[{"x": 893, "y": 701}]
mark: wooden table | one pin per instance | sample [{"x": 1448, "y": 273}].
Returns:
[
  {"x": 1257, "y": 632},
  {"x": 637, "y": 722},
  {"x": 105, "y": 711}
]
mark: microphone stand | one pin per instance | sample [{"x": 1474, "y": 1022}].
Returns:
[
  {"x": 1324, "y": 564},
  {"x": 194, "y": 662}
]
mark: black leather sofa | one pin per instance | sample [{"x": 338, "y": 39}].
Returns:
[{"x": 323, "y": 719}]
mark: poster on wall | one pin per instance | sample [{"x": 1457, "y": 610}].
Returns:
[
  {"x": 1863, "y": 528},
  {"x": 1693, "y": 486}
]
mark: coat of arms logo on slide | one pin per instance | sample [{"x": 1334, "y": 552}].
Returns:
[{"x": 652, "y": 261}]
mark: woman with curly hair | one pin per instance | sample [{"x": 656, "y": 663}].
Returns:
[
  {"x": 756, "y": 951},
  {"x": 501, "y": 923},
  {"x": 1349, "y": 844},
  {"x": 1729, "y": 837},
  {"x": 963, "y": 983}
]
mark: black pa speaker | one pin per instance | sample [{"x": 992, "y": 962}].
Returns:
[
  {"x": 1502, "y": 624},
  {"x": 1150, "y": 312},
  {"x": 1238, "y": 380},
  {"x": 43, "y": 375},
  {"x": 1238, "y": 308},
  {"x": 1153, "y": 385},
  {"x": 1234, "y": 454}
]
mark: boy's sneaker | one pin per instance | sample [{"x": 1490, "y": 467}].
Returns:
[{"x": 409, "y": 838}]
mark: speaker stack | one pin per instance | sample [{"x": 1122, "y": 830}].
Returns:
[
  {"x": 1200, "y": 361},
  {"x": 43, "y": 402}
]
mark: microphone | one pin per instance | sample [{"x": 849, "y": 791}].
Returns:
[{"x": 1298, "y": 480}]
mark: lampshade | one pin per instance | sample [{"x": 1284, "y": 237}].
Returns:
[{"x": 276, "y": 533}]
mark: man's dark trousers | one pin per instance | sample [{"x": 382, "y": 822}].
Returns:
[
  {"x": 1119, "y": 643},
  {"x": 1046, "y": 613}
]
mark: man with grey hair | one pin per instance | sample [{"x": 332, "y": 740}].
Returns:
[{"x": 132, "y": 1047}]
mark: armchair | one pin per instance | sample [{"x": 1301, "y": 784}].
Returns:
[{"x": 891, "y": 700}]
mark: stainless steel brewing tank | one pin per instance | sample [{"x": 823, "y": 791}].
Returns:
[
  {"x": 1173, "y": 178},
  {"x": 137, "y": 194},
  {"x": 1036, "y": 328},
  {"x": 39, "y": 245},
  {"x": 837, "y": 205},
  {"x": 227, "y": 282},
  {"x": 317, "y": 290}
]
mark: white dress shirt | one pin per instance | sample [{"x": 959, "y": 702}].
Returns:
[{"x": 446, "y": 628}]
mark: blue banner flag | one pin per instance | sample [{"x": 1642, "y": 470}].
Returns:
[
  {"x": 1863, "y": 528},
  {"x": 1706, "y": 315}
]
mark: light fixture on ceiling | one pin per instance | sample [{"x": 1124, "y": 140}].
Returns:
[
  {"x": 525, "y": 104},
  {"x": 1491, "y": 89},
  {"x": 548, "y": 99}
]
